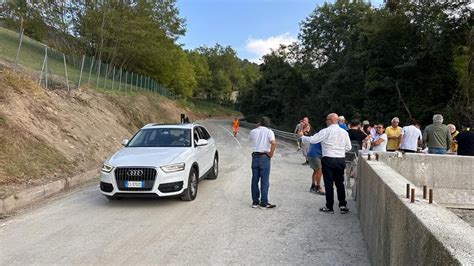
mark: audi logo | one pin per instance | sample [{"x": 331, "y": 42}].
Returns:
[{"x": 134, "y": 172}]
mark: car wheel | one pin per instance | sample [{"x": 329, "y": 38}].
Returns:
[
  {"x": 191, "y": 191},
  {"x": 215, "y": 169}
]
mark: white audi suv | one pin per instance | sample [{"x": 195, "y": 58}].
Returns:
[{"x": 161, "y": 160}]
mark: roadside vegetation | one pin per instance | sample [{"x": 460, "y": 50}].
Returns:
[
  {"x": 137, "y": 36},
  {"x": 405, "y": 59}
]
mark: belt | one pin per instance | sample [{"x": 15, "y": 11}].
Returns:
[{"x": 258, "y": 153}]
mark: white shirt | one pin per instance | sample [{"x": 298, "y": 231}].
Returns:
[
  {"x": 261, "y": 138},
  {"x": 410, "y": 138},
  {"x": 383, "y": 145},
  {"x": 335, "y": 141}
]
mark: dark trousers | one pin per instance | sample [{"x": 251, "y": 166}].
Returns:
[{"x": 333, "y": 173}]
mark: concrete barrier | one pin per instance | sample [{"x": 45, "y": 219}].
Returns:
[
  {"x": 402, "y": 233},
  {"x": 450, "y": 176},
  {"x": 34, "y": 194}
]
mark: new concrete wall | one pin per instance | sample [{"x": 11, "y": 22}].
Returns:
[
  {"x": 402, "y": 233},
  {"x": 451, "y": 177}
]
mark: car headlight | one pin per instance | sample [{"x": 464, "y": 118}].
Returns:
[
  {"x": 107, "y": 168},
  {"x": 173, "y": 167}
]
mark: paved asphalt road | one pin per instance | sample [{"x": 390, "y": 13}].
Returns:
[{"x": 219, "y": 227}]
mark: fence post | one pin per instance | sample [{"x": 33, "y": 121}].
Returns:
[
  {"x": 106, "y": 75},
  {"x": 46, "y": 66},
  {"x": 42, "y": 68},
  {"x": 98, "y": 73},
  {"x": 80, "y": 75},
  {"x": 19, "y": 47},
  {"x": 113, "y": 78},
  {"x": 126, "y": 79},
  {"x": 120, "y": 82},
  {"x": 65, "y": 71},
  {"x": 90, "y": 70}
]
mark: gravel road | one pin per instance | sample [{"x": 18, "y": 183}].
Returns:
[{"x": 219, "y": 227}]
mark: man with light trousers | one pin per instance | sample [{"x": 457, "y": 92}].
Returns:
[{"x": 335, "y": 143}]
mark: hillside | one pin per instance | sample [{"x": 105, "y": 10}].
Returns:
[{"x": 51, "y": 134}]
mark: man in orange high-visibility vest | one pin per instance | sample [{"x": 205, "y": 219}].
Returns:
[{"x": 235, "y": 126}]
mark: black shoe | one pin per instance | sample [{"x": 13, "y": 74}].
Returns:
[
  {"x": 319, "y": 191},
  {"x": 344, "y": 209},
  {"x": 255, "y": 205},
  {"x": 267, "y": 206},
  {"x": 325, "y": 209},
  {"x": 313, "y": 190}
]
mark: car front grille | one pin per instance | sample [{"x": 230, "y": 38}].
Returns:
[{"x": 125, "y": 174}]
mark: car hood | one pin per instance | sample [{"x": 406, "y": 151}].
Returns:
[{"x": 148, "y": 156}]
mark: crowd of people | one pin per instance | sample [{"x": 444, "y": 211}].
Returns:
[
  {"x": 436, "y": 138},
  {"x": 325, "y": 151}
]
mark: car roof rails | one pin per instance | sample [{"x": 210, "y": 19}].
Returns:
[
  {"x": 154, "y": 124},
  {"x": 167, "y": 124}
]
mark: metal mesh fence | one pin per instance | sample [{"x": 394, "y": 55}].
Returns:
[{"x": 58, "y": 70}]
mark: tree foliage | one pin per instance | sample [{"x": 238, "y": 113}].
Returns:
[
  {"x": 400, "y": 60},
  {"x": 225, "y": 72},
  {"x": 137, "y": 35}
]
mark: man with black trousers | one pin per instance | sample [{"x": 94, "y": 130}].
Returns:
[{"x": 335, "y": 143}]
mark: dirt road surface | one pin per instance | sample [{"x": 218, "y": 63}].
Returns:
[{"x": 219, "y": 227}]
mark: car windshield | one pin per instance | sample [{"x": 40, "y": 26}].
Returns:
[{"x": 161, "y": 137}]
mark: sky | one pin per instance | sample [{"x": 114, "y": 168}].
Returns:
[{"x": 251, "y": 27}]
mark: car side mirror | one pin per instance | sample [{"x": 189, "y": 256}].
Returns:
[
  {"x": 124, "y": 142},
  {"x": 202, "y": 142}
]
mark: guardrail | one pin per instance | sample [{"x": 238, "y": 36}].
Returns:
[{"x": 278, "y": 133}]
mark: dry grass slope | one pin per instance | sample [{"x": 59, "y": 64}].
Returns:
[{"x": 47, "y": 135}]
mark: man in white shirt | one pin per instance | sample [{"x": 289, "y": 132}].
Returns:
[
  {"x": 335, "y": 143},
  {"x": 412, "y": 137},
  {"x": 379, "y": 141},
  {"x": 263, "y": 147}
]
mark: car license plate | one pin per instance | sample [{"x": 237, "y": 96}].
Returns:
[{"x": 134, "y": 184}]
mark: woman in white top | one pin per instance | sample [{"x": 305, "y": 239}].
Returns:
[{"x": 379, "y": 141}]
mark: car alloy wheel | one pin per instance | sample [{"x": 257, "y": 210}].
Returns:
[
  {"x": 215, "y": 169},
  {"x": 190, "y": 192},
  {"x": 194, "y": 182}
]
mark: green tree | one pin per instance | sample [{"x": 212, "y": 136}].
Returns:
[
  {"x": 17, "y": 14},
  {"x": 201, "y": 72},
  {"x": 228, "y": 72},
  {"x": 405, "y": 60}
]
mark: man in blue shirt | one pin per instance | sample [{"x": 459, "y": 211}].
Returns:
[{"x": 314, "y": 159}]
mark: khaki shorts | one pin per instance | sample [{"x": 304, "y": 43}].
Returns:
[{"x": 314, "y": 163}]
